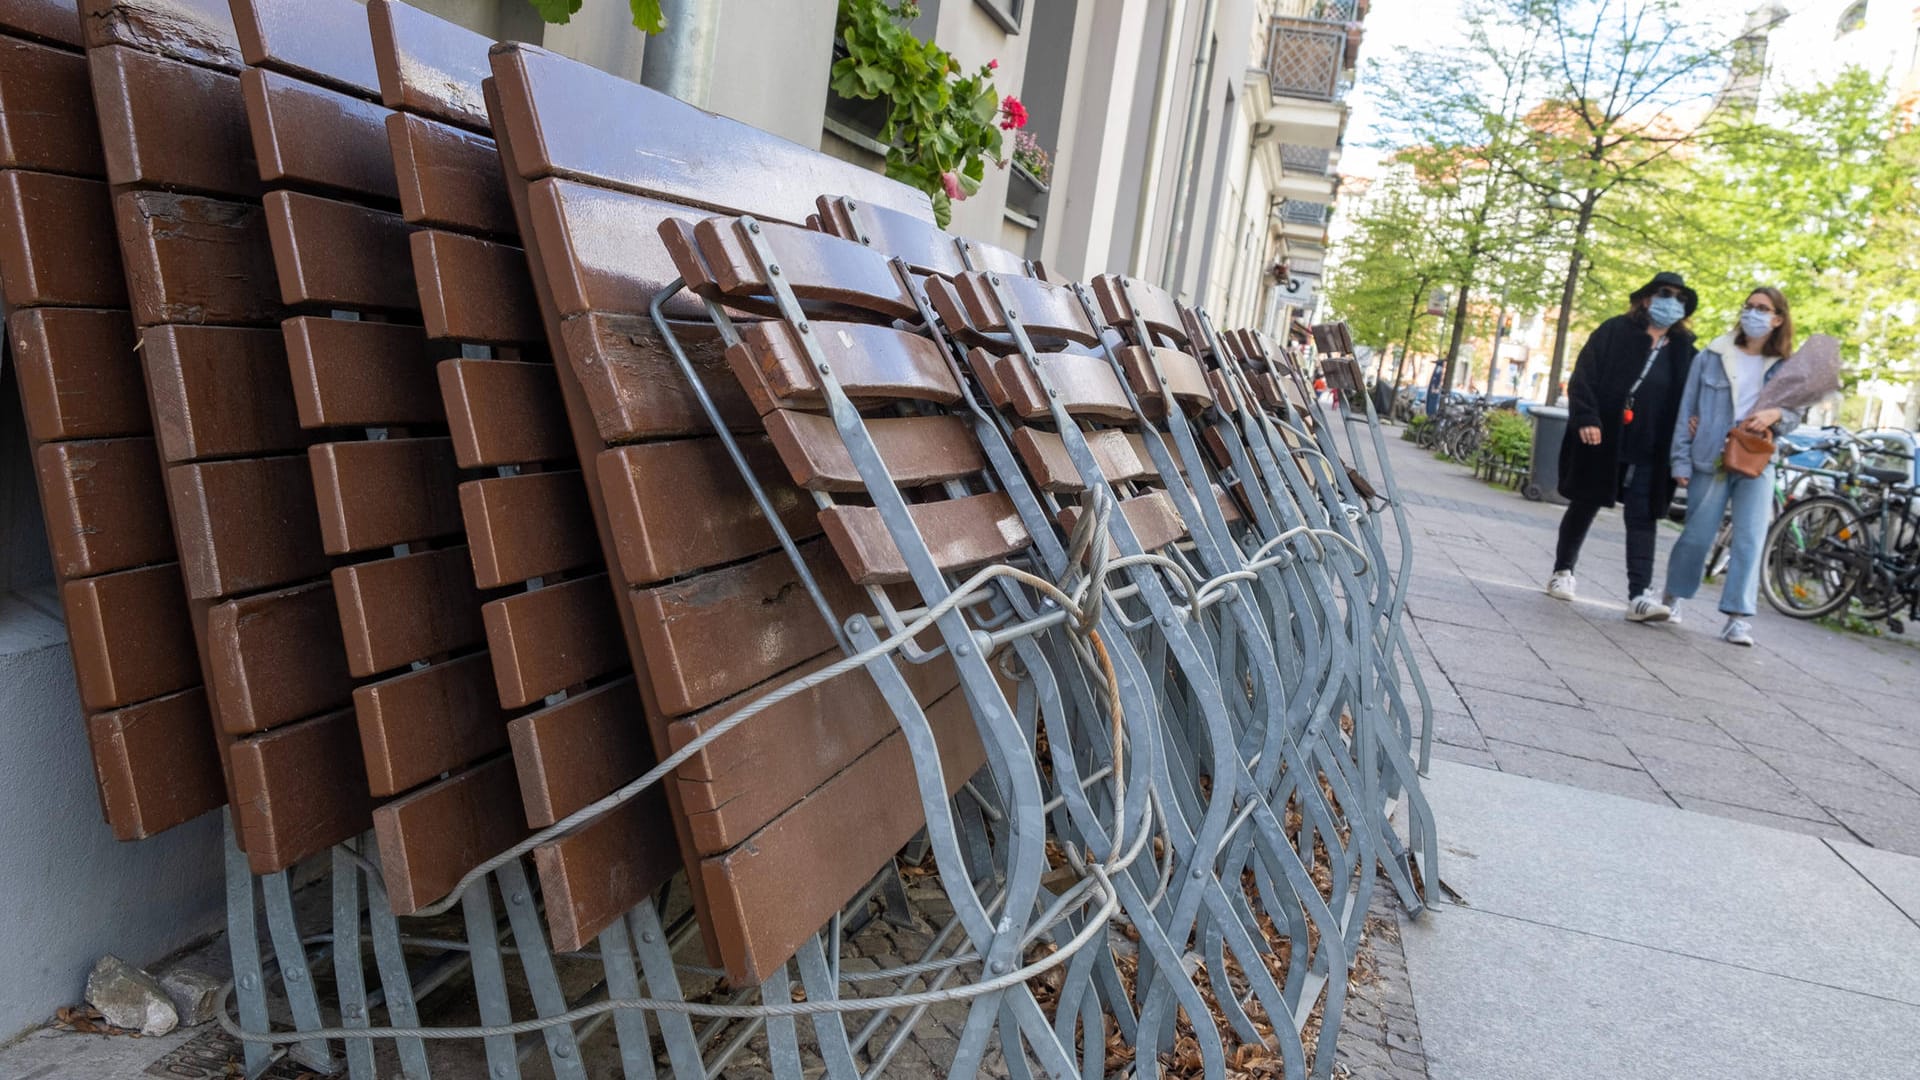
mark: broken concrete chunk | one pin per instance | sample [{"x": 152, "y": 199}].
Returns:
[
  {"x": 128, "y": 997},
  {"x": 193, "y": 993}
]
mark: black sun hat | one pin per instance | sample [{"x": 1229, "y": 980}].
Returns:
[{"x": 1688, "y": 298}]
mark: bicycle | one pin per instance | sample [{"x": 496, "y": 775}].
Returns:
[{"x": 1860, "y": 544}]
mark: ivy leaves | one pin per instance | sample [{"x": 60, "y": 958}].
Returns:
[{"x": 646, "y": 13}]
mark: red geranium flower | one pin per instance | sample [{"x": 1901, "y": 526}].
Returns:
[
  {"x": 1012, "y": 114},
  {"x": 993, "y": 65}
]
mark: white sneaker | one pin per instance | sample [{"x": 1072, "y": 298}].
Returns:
[
  {"x": 1644, "y": 608},
  {"x": 1738, "y": 631},
  {"x": 1673, "y": 608},
  {"x": 1561, "y": 586}
]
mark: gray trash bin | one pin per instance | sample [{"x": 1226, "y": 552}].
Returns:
[{"x": 1549, "y": 427}]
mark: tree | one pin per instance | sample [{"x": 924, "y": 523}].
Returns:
[
  {"x": 1629, "y": 86},
  {"x": 1381, "y": 279},
  {"x": 1457, "y": 113}
]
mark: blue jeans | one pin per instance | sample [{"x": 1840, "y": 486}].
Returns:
[{"x": 1707, "y": 499}]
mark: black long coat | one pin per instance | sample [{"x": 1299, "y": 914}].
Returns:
[{"x": 1597, "y": 394}]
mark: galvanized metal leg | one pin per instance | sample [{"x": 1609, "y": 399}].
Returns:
[
  {"x": 490, "y": 980},
  {"x": 537, "y": 963},
  {"x": 396, "y": 980},
  {"x": 783, "y": 1042},
  {"x": 284, "y": 930},
  {"x": 656, "y": 961},
  {"x": 828, "y": 1028},
  {"x": 347, "y": 973},
  {"x": 623, "y": 982},
  {"x": 243, "y": 941}
]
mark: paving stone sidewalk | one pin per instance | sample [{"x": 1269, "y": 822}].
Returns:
[{"x": 1812, "y": 730}]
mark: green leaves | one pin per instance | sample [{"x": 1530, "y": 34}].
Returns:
[
  {"x": 646, "y": 13},
  {"x": 939, "y": 125},
  {"x": 556, "y": 11}
]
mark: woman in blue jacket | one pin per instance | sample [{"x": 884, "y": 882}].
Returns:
[{"x": 1721, "y": 390}]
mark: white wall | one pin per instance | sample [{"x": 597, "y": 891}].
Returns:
[{"x": 773, "y": 65}]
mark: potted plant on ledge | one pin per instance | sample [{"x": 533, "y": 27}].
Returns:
[{"x": 1032, "y": 177}]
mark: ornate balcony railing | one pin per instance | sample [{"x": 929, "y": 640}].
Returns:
[
  {"x": 1300, "y": 212},
  {"x": 1306, "y": 57},
  {"x": 1306, "y": 160}
]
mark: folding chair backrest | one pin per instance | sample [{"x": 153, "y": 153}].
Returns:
[
  {"x": 694, "y": 557},
  {"x": 72, "y": 350}
]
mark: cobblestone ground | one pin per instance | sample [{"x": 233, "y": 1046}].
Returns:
[
  {"x": 1813, "y": 730},
  {"x": 1380, "y": 1035}
]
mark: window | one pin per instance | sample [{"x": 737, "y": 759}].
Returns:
[
  {"x": 1853, "y": 18},
  {"x": 1005, "y": 12}
]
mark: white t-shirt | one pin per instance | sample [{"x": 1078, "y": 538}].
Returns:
[{"x": 1749, "y": 375}]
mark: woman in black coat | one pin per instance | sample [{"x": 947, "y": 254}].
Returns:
[{"x": 1621, "y": 404}]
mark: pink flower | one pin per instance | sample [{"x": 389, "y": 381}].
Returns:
[
  {"x": 951, "y": 181},
  {"x": 1012, "y": 114},
  {"x": 993, "y": 65}
]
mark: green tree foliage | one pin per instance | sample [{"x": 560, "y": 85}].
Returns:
[{"x": 1384, "y": 274}]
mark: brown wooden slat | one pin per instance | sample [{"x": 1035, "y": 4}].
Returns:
[
  {"x": 245, "y": 524},
  {"x": 503, "y": 412},
  {"x": 594, "y": 876},
  {"x": 220, "y": 391},
  {"x": 309, "y": 135},
  {"x": 1084, "y": 385},
  {"x": 276, "y": 657},
  {"x": 776, "y": 890},
  {"x": 156, "y": 764},
  {"x": 46, "y": 110},
  {"x": 323, "y": 41},
  {"x": 382, "y": 492},
  {"x": 571, "y": 753},
  {"x": 198, "y": 31},
  {"x": 124, "y": 629},
  {"x": 649, "y": 143},
  {"x": 1047, "y": 311},
  {"x": 339, "y": 254},
  {"x": 448, "y": 177},
  {"x": 606, "y": 255},
  {"x": 79, "y": 376},
  {"x": 528, "y": 526},
  {"x": 299, "y": 790},
  {"x": 1152, "y": 517},
  {"x": 1046, "y": 459},
  {"x": 634, "y": 388},
  {"x": 352, "y": 373},
  {"x": 757, "y": 771},
  {"x": 717, "y": 634},
  {"x": 429, "y": 839},
  {"x": 56, "y": 242},
  {"x": 47, "y": 20},
  {"x": 814, "y": 265},
  {"x": 913, "y": 238},
  {"x": 1183, "y": 374},
  {"x": 552, "y": 638},
  {"x": 196, "y": 260},
  {"x": 918, "y": 451},
  {"x": 474, "y": 290},
  {"x": 960, "y": 532},
  {"x": 677, "y": 506},
  {"x": 407, "y": 608},
  {"x": 870, "y": 362},
  {"x": 428, "y": 65},
  {"x": 104, "y": 505},
  {"x": 419, "y": 724},
  {"x": 142, "y": 100}
]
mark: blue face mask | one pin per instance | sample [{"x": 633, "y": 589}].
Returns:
[
  {"x": 1665, "y": 311},
  {"x": 1756, "y": 324}
]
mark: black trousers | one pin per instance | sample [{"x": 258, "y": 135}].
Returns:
[{"x": 1636, "y": 505}]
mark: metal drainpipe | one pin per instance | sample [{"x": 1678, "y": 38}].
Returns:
[
  {"x": 679, "y": 60},
  {"x": 1202, "y": 76},
  {"x": 1162, "y": 103}
]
